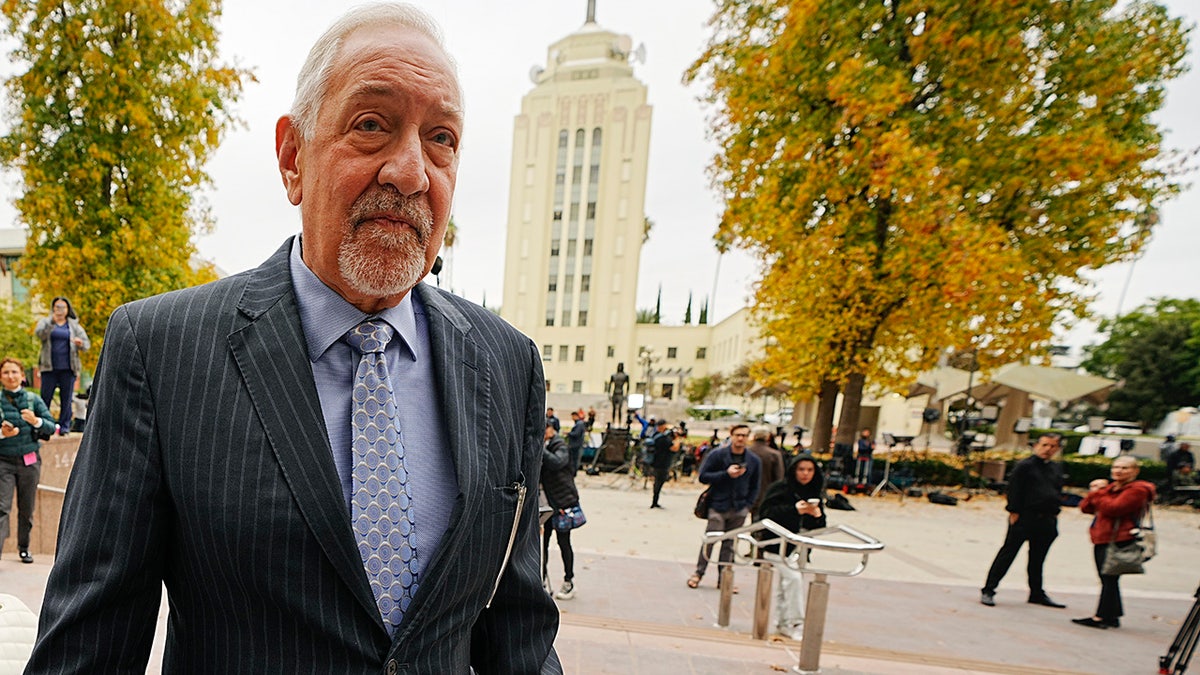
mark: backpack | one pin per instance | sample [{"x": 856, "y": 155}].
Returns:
[{"x": 838, "y": 502}]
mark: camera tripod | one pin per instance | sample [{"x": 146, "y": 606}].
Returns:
[{"x": 1176, "y": 659}]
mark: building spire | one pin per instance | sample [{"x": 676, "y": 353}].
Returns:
[{"x": 591, "y": 12}]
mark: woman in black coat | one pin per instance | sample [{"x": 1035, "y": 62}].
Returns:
[
  {"x": 558, "y": 483},
  {"x": 797, "y": 503}
]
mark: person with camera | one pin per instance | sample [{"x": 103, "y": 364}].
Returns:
[
  {"x": 27, "y": 420},
  {"x": 1118, "y": 505},
  {"x": 665, "y": 443},
  {"x": 732, "y": 473},
  {"x": 62, "y": 339}
]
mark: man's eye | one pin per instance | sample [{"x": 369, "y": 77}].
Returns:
[
  {"x": 369, "y": 125},
  {"x": 444, "y": 138}
]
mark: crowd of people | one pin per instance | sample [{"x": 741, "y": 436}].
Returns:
[
  {"x": 27, "y": 420},
  {"x": 747, "y": 481}
]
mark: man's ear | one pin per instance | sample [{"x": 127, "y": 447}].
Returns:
[{"x": 287, "y": 151}]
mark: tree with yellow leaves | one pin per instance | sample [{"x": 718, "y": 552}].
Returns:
[
  {"x": 117, "y": 105},
  {"x": 922, "y": 175}
]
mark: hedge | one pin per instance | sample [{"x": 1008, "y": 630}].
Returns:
[{"x": 939, "y": 468}]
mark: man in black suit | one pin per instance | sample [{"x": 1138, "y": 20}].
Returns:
[
  {"x": 1034, "y": 500},
  {"x": 230, "y": 456}
]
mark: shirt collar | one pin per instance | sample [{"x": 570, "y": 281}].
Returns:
[{"x": 326, "y": 316}]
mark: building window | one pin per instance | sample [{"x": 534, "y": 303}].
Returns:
[
  {"x": 554, "y": 248},
  {"x": 563, "y": 352},
  {"x": 587, "y": 246},
  {"x": 612, "y": 351},
  {"x": 591, "y": 210},
  {"x": 550, "y": 317},
  {"x": 668, "y": 391},
  {"x": 566, "y": 317},
  {"x": 579, "y": 353},
  {"x": 568, "y": 283},
  {"x": 582, "y": 318},
  {"x": 701, "y": 353},
  {"x": 577, "y": 387},
  {"x": 585, "y": 283},
  {"x": 571, "y": 248},
  {"x": 671, "y": 351},
  {"x": 547, "y": 386},
  {"x": 553, "y": 285},
  {"x": 547, "y": 352}
]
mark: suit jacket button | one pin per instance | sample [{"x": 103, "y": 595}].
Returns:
[{"x": 391, "y": 667}]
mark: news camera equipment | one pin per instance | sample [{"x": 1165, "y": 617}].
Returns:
[{"x": 1175, "y": 661}]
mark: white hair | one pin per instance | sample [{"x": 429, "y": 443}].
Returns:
[{"x": 313, "y": 82}]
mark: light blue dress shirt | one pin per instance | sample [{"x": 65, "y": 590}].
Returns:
[{"x": 325, "y": 318}]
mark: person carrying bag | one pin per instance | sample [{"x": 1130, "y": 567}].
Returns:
[{"x": 1118, "y": 546}]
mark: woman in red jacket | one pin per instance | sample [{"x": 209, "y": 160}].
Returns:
[{"x": 1122, "y": 502}]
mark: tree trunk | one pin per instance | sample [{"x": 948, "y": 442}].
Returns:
[
  {"x": 851, "y": 404},
  {"x": 826, "y": 401}
]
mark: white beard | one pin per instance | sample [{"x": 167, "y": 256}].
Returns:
[{"x": 383, "y": 260}]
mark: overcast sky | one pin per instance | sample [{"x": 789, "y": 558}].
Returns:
[{"x": 495, "y": 45}]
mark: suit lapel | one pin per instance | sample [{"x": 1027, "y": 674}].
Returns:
[
  {"x": 270, "y": 353},
  {"x": 462, "y": 375}
]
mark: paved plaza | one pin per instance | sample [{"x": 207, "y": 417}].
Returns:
[{"x": 914, "y": 610}]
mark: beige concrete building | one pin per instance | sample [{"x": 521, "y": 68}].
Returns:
[
  {"x": 576, "y": 223},
  {"x": 12, "y": 247}
]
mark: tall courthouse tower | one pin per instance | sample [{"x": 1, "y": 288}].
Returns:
[{"x": 575, "y": 214}]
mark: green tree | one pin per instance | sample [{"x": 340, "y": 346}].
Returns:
[
  {"x": 687, "y": 313},
  {"x": 699, "y": 389},
  {"x": 914, "y": 176},
  {"x": 703, "y": 313},
  {"x": 16, "y": 334},
  {"x": 1155, "y": 352},
  {"x": 645, "y": 316},
  {"x": 658, "y": 306},
  {"x": 116, "y": 107}
]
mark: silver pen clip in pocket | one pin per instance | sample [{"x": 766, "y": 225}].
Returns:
[{"x": 520, "y": 489}]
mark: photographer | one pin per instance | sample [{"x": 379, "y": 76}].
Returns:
[
  {"x": 732, "y": 472},
  {"x": 665, "y": 443},
  {"x": 26, "y": 420}
]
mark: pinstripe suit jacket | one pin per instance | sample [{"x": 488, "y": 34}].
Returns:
[{"x": 206, "y": 466}]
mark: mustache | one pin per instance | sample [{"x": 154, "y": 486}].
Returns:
[{"x": 388, "y": 201}]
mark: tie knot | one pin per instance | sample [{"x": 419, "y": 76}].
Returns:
[{"x": 370, "y": 337}]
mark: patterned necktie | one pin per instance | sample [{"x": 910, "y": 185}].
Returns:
[{"x": 380, "y": 503}]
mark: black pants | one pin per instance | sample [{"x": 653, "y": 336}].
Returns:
[
  {"x": 1040, "y": 532},
  {"x": 64, "y": 381},
  {"x": 660, "y": 477},
  {"x": 564, "y": 545},
  {"x": 13, "y": 472},
  {"x": 1109, "y": 608}
]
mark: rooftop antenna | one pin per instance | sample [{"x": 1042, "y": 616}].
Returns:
[{"x": 591, "y": 12}]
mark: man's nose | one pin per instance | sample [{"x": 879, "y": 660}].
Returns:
[{"x": 404, "y": 166}]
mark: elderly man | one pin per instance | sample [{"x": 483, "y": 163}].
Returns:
[
  {"x": 325, "y": 461},
  {"x": 1034, "y": 500}
]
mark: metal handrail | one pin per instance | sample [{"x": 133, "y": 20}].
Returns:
[
  {"x": 818, "y": 590},
  {"x": 809, "y": 540}
]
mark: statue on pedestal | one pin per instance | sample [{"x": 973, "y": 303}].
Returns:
[{"x": 617, "y": 384}]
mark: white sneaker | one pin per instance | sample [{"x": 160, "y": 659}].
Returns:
[
  {"x": 566, "y": 592},
  {"x": 791, "y": 632}
]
